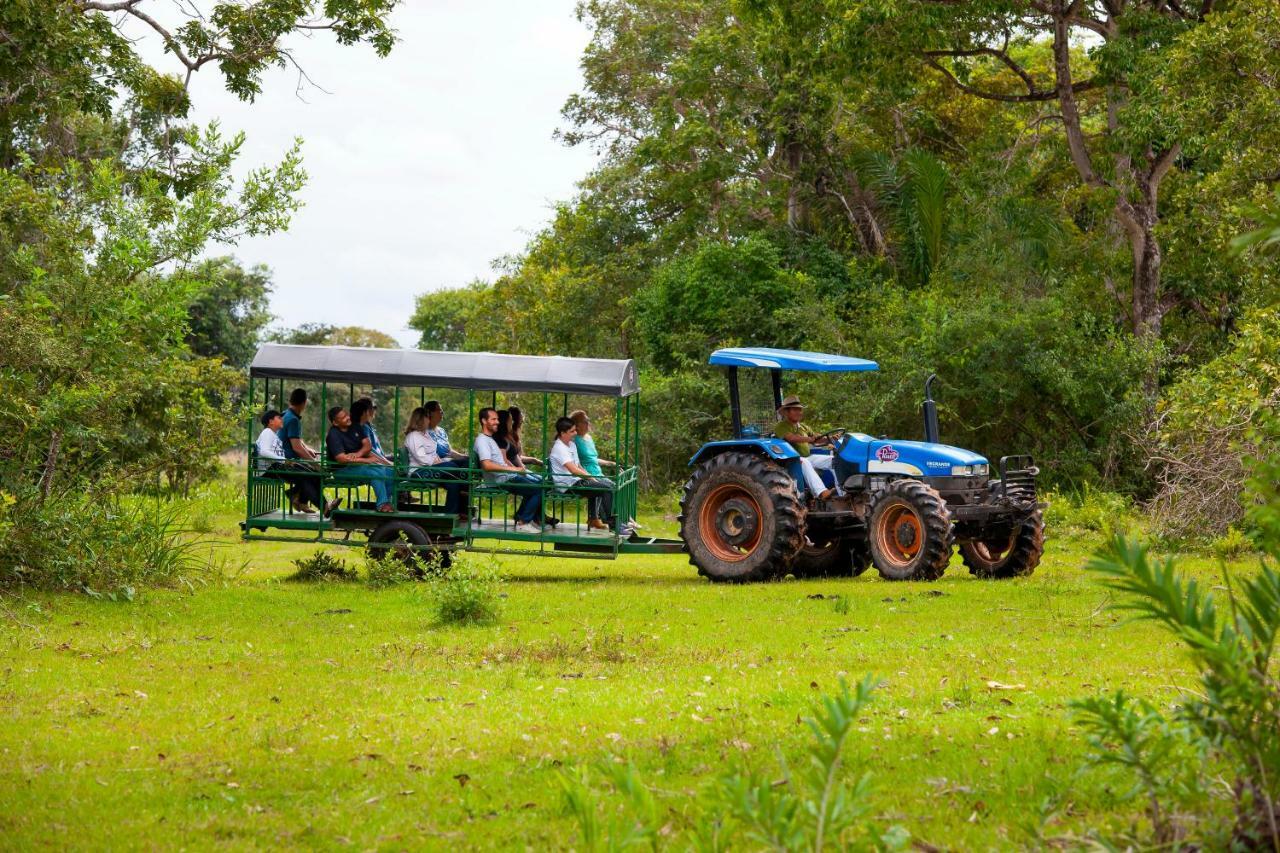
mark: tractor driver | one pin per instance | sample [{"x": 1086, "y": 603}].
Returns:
[{"x": 800, "y": 436}]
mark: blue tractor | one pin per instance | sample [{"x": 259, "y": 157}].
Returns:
[{"x": 902, "y": 506}]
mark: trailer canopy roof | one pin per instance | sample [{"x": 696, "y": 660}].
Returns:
[
  {"x": 469, "y": 370},
  {"x": 789, "y": 359}
]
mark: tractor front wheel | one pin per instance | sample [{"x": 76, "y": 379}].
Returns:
[
  {"x": 741, "y": 519},
  {"x": 1014, "y": 557},
  {"x": 911, "y": 535}
]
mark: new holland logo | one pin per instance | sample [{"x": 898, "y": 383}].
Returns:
[{"x": 886, "y": 453}]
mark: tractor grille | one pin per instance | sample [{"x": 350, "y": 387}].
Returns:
[{"x": 1018, "y": 479}]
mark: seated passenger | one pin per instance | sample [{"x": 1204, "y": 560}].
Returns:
[
  {"x": 362, "y": 414},
  {"x": 586, "y": 445},
  {"x": 303, "y": 490},
  {"x": 512, "y": 478},
  {"x": 571, "y": 477},
  {"x": 425, "y": 460},
  {"x": 800, "y": 436},
  {"x": 348, "y": 447},
  {"x": 510, "y": 423}
]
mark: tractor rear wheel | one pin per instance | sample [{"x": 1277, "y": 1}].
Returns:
[
  {"x": 910, "y": 532},
  {"x": 741, "y": 519},
  {"x": 1014, "y": 557}
]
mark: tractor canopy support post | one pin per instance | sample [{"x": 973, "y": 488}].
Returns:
[
  {"x": 776, "y": 375},
  {"x": 735, "y": 405}
]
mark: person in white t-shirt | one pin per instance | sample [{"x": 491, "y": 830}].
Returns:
[
  {"x": 499, "y": 471},
  {"x": 571, "y": 477},
  {"x": 303, "y": 490}
]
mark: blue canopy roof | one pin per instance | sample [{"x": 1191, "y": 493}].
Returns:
[{"x": 789, "y": 359}]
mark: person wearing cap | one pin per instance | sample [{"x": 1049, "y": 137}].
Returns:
[
  {"x": 303, "y": 490},
  {"x": 800, "y": 436}
]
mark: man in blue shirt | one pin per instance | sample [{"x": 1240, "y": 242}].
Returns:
[
  {"x": 300, "y": 454},
  {"x": 291, "y": 428}
]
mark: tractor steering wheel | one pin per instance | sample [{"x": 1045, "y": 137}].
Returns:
[{"x": 834, "y": 435}]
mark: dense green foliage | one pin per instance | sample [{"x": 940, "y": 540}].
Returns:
[
  {"x": 1036, "y": 201},
  {"x": 113, "y": 370},
  {"x": 229, "y": 312}
]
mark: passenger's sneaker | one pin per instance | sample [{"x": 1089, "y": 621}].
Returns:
[
  {"x": 634, "y": 525},
  {"x": 525, "y": 527}
]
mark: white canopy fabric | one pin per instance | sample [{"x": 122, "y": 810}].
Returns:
[{"x": 480, "y": 371}]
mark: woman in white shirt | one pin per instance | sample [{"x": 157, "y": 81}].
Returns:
[{"x": 425, "y": 461}]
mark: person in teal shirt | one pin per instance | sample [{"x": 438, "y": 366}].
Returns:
[{"x": 588, "y": 457}]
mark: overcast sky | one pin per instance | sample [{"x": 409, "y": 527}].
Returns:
[{"x": 424, "y": 167}]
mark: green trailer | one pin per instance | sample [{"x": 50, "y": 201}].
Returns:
[{"x": 548, "y": 387}]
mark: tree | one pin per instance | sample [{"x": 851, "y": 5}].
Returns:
[
  {"x": 1117, "y": 75},
  {"x": 323, "y": 334},
  {"x": 230, "y": 311},
  {"x": 108, "y": 195}
]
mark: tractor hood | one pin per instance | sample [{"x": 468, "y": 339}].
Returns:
[{"x": 916, "y": 458}]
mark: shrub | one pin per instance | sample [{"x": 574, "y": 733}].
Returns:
[
  {"x": 1091, "y": 510},
  {"x": 469, "y": 592},
  {"x": 1207, "y": 427},
  {"x": 1228, "y": 730},
  {"x": 321, "y": 566},
  {"x": 94, "y": 542},
  {"x": 813, "y": 808}
]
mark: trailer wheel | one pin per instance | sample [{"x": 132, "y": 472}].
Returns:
[
  {"x": 1015, "y": 557},
  {"x": 832, "y": 558},
  {"x": 910, "y": 532},
  {"x": 740, "y": 518},
  {"x": 387, "y": 541}
]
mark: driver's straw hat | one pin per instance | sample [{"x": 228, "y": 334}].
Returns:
[{"x": 792, "y": 402}]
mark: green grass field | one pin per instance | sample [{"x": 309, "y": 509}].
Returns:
[{"x": 255, "y": 712}]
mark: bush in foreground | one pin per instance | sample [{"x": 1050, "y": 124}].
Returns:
[
  {"x": 813, "y": 808},
  {"x": 467, "y": 593},
  {"x": 1209, "y": 771}
]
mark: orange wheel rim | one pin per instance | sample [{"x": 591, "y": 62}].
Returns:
[
  {"x": 730, "y": 522},
  {"x": 991, "y": 552},
  {"x": 900, "y": 534}
]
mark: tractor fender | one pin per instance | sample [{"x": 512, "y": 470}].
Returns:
[{"x": 773, "y": 448}]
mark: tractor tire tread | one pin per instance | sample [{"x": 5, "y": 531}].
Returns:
[
  {"x": 939, "y": 535},
  {"x": 779, "y": 550}
]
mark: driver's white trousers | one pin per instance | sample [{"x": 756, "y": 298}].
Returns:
[{"x": 809, "y": 465}]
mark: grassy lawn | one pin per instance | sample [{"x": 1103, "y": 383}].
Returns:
[{"x": 256, "y": 712}]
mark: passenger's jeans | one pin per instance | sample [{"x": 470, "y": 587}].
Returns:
[
  {"x": 452, "y": 480},
  {"x": 599, "y": 495},
  {"x": 381, "y": 477},
  {"x": 303, "y": 485},
  {"x": 530, "y": 486}
]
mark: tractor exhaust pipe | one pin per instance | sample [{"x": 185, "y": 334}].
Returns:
[{"x": 930, "y": 411}]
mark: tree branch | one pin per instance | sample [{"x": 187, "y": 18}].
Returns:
[
  {"x": 1036, "y": 96},
  {"x": 1067, "y": 99},
  {"x": 105, "y": 6},
  {"x": 998, "y": 54}
]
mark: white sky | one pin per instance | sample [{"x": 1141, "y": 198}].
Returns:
[{"x": 424, "y": 167}]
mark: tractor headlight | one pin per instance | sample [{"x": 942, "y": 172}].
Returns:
[
  {"x": 961, "y": 470},
  {"x": 981, "y": 470}
]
